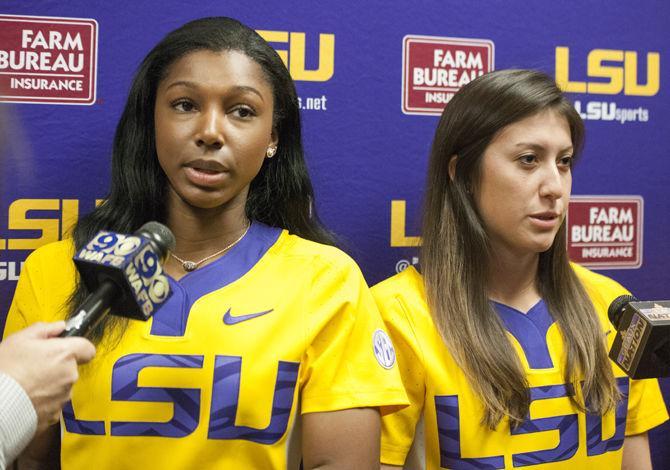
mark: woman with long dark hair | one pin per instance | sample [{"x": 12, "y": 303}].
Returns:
[
  {"x": 502, "y": 342},
  {"x": 264, "y": 355}
]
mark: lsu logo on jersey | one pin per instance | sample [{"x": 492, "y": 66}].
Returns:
[
  {"x": 609, "y": 72},
  {"x": 295, "y": 56},
  {"x": 558, "y": 436},
  {"x": 186, "y": 402},
  {"x": 565, "y": 426}
]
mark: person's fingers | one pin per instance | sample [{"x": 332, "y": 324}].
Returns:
[
  {"x": 54, "y": 329},
  {"x": 82, "y": 349},
  {"x": 43, "y": 330},
  {"x": 53, "y": 417}
]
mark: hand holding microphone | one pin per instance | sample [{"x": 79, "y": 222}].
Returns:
[
  {"x": 123, "y": 274},
  {"x": 44, "y": 366},
  {"x": 125, "y": 277}
]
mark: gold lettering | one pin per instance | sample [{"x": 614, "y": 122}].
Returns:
[
  {"x": 18, "y": 220},
  {"x": 326, "y": 58},
  {"x": 596, "y": 68},
  {"x": 620, "y": 78},
  {"x": 653, "y": 74},
  {"x": 563, "y": 72},
  {"x": 398, "y": 226},
  {"x": 294, "y": 57},
  {"x": 276, "y": 36},
  {"x": 70, "y": 214}
]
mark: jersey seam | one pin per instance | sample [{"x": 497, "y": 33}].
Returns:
[
  {"x": 647, "y": 422},
  {"x": 414, "y": 335},
  {"x": 355, "y": 393}
]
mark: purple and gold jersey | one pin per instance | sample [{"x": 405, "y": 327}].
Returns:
[
  {"x": 218, "y": 378},
  {"x": 442, "y": 426}
]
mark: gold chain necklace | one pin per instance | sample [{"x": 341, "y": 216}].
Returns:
[{"x": 189, "y": 266}]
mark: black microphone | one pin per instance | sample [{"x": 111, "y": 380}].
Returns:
[
  {"x": 124, "y": 274},
  {"x": 642, "y": 343}
]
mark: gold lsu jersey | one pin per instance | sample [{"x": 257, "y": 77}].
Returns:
[
  {"x": 218, "y": 378},
  {"x": 442, "y": 426}
]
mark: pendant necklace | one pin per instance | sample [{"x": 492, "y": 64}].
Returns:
[{"x": 189, "y": 266}]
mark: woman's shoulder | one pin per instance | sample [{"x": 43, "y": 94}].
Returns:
[
  {"x": 409, "y": 281},
  {"x": 291, "y": 245},
  {"x": 593, "y": 279},
  {"x": 52, "y": 254},
  {"x": 601, "y": 289},
  {"x": 45, "y": 284},
  {"x": 405, "y": 288}
]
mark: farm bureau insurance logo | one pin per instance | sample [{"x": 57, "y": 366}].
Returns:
[
  {"x": 605, "y": 231},
  {"x": 434, "y": 68},
  {"x": 48, "y": 60}
]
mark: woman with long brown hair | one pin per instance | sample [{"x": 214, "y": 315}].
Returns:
[{"x": 502, "y": 342}]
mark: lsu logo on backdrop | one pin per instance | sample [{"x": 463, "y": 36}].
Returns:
[
  {"x": 434, "y": 68},
  {"x": 38, "y": 222},
  {"x": 48, "y": 60},
  {"x": 295, "y": 54},
  {"x": 609, "y": 72},
  {"x": 605, "y": 231},
  {"x": 399, "y": 237}
]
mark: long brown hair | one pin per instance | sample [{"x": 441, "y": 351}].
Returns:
[{"x": 456, "y": 255}]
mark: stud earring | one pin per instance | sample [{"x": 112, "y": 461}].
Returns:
[{"x": 270, "y": 152}]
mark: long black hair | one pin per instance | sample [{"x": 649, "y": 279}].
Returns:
[{"x": 281, "y": 195}]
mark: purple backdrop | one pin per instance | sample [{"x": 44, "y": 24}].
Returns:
[{"x": 367, "y": 120}]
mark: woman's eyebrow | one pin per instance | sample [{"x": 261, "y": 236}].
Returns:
[
  {"x": 237, "y": 88},
  {"x": 536, "y": 146}
]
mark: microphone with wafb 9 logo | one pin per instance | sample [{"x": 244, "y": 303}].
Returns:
[
  {"x": 124, "y": 274},
  {"x": 642, "y": 343}
]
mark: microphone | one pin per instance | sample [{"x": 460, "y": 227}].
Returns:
[
  {"x": 124, "y": 274},
  {"x": 642, "y": 343}
]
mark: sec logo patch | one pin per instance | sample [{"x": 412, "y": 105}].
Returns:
[{"x": 383, "y": 348}]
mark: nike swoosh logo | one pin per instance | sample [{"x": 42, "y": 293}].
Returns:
[{"x": 228, "y": 319}]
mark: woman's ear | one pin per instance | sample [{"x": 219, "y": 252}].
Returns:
[
  {"x": 274, "y": 138},
  {"x": 452, "y": 167},
  {"x": 272, "y": 146}
]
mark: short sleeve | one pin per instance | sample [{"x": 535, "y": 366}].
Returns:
[
  {"x": 646, "y": 407},
  {"x": 25, "y": 306},
  {"x": 43, "y": 288},
  {"x": 398, "y": 429},
  {"x": 350, "y": 360}
]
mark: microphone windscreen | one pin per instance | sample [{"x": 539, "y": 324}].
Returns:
[
  {"x": 159, "y": 234},
  {"x": 616, "y": 308}
]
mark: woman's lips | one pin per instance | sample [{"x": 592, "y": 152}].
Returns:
[
  {"x": 205, "y": 172},
  {"x": 545, "y": 220},
  {"x": 204, "y": 176}
]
